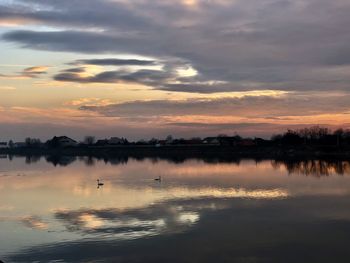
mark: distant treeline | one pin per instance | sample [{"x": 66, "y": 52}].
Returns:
[{"x": 313, "y": 136}]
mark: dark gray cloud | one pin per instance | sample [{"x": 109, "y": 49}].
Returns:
[
  {"x": 156, "y": 78},
  {"x": 147, "y": 77},
  {"x": 303, "y": 104},
  {"x": 87, "y": 42},
  {"x": 96, "y": 14},
  {"x": 115, "y": 62},
  {"x": 74, "y": 70},
  {"x": 282, "y": 44}
]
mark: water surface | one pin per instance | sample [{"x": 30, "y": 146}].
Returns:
[{"x": 51, "y": 209}]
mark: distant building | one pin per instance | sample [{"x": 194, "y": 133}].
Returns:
[
  {"x": 187, "y": 141},
  {"x": 117, "y": 141},
  {"x": 246, "y": 142},
  {"x": 153, "y": 141},
  {"x": 61, "y": 141},
  {"x": 262, "y": 142},
  {"x": 101, "y": 142},
  {"x": 65, "y": 141},
  {"x": 230, "y": 140},
  {"x": 19, "y": 145},
  {"x": 211, "y": 140},
  {"x": 223, "y": 140},
  {"x": 142, "y": 142},
  {"x": 3, "y": 145},
  {"x": 169, "y": 139},
  {"x": 161, "y": 143}
]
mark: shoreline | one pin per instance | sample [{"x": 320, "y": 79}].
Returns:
[{"x": 186, "y": 151}]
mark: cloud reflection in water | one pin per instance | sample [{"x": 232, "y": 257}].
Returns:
[
  {"x": 198, "y": 202},
  {"x": 169, "y": 216}
]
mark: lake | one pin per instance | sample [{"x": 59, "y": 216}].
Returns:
[{"x": 52, "y": 210}]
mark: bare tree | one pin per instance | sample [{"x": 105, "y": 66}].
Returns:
[{"x": 89, "y": 140}]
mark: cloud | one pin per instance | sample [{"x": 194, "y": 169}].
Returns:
[
  {"x": 88, "y": 101},
  {"x": 30, "y": 72},
  {"x": 198, "y": 47},
  {"x": 115, "y": 62},
  {"x": 146, "y": 77},
  {"x": 250, "y": 106},
  {"x": 269, "y": 44},
  {"x": 170, "y": 71},
  {"x": 249, "y": 114},
  {"x": 67, "y": 13},
  {"x": 7, "y": 88},
  {"x": 35, "y": 71},
  {"x": 75, "y": 70}
]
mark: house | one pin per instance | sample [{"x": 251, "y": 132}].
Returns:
[
  {"x": 246, "y": 142},
  {"x": 153, "y": 141},
  {"x": 223, "y": 140},
  {"x": 19, "y": 145},
  {"x": 161, "y": 143},
  {"x": 230, "y": 140},
  {"x": 141, "y": 142},
  {"x": 262, "y": 142},
  {"x": 211, "y": 140},
  {"x": 65, "y": 141},
  {"x": 116, "y": 141},
  {"x": 101, "y": 142},
  {"x": 61, "y": 141},
  {"x": 193, "y": 141}
]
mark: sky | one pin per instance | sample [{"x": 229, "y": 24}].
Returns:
[{"x": 149, "y": 68}]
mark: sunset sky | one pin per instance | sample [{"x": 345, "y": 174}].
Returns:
[{"x": 149, "y": 68}]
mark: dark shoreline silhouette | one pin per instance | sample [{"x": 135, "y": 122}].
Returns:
[
  {"x": 305, "y": 144},
  {"x": 191, "y": 151}
]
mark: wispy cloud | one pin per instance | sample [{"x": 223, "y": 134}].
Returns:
[
  {"x": 94, "y": 102},
  {"x": 249, "y": 106},
  {"x": 115, "y": 62},
  {"x": 29, "y": 72},
  {"x": 9, "y": 88}
]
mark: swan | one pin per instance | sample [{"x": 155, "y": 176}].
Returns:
[{"x": 98, "y": 183}]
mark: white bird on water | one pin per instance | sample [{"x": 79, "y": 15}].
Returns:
[{"x": 98, "y": 183}]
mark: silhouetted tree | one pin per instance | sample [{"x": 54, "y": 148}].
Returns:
[
  {"x": 89, "y": 140},
  {"x": 31, "y": 142}
]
